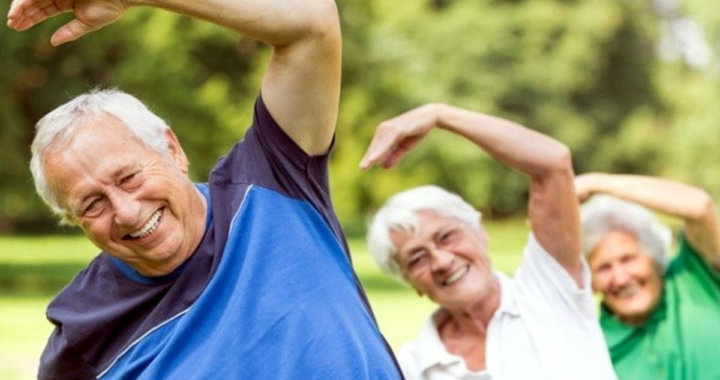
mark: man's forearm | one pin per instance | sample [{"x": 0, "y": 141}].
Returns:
[{"x": 276, "y": 22}]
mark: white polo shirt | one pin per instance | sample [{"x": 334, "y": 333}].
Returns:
[{"x": 545, "y": 329}]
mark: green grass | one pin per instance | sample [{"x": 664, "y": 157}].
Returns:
[{"x": 33, "y": 269}]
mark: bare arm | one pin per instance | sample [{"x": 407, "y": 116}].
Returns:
[
  {"x": 694, "y": 205},
  {"x": 553, "y": 208},
  {"x": 302, "y": 84}
]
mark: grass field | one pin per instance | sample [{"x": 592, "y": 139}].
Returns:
[{"x": 32, "y": 269}]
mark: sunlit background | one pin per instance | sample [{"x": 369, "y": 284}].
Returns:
[{"x": 632, "y": 86}]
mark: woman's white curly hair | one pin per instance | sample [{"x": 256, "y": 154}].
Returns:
[{"x": 604, "y": 213}]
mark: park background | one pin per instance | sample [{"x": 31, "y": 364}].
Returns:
[{"x": 631, "y": 86}]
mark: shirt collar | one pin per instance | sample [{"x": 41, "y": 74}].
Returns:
[
  {"x": 508, "y": 303},
  {"x": 430, "y": 350}
]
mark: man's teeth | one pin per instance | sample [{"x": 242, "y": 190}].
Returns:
[
  {"x": 149, "y": 227},
  {"x": 456, "y": 276}
]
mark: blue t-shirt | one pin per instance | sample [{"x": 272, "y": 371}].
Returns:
[{"x": 269, "y": 294}]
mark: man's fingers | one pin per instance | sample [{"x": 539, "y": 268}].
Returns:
[
  {"x": 21, "y": 22},
  {"x": 69, "y": 32},
  {"x": 24, "y": 15}
]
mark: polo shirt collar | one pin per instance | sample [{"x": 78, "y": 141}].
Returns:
[
  {"x": 508, "y": 303},
  {"x": 431, "y": 351}
]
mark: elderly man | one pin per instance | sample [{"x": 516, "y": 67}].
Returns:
[
  {"x": 246, "y": 276},
  {"x": 541, "y": 324}
]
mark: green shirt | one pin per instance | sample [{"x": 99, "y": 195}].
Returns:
[{"x": 679, "y": 341}]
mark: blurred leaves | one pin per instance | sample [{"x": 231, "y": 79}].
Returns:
[{"x": 586, "y": 72}]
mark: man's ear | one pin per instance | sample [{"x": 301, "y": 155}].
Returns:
[{"x": 176, "y": 151}]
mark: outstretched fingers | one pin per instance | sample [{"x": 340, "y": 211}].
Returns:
[
  {"x": 396, "y": 136},
  {"x": 380, "y": 149},
  {"x": 89, "y": 16},
  {"x": 70, "y": 32},
  {"x": 389, "y": 145},
  {"x": 24, "y": 14}
]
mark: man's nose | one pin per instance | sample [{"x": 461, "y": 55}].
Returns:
[{"x": 126, "y": 208}]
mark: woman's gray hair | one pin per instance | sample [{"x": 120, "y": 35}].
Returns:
[
  {"x": 400, "y": 213},
  {"x": 604, "y": 213},
  {"x": 60, "y": 125}
]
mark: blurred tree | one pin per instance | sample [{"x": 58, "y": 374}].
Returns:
[
  {"x": 203, "y": 80},
  {"x": 581, "y": 71},
  {"x": 690, "y": 85},
  {"x": 586, "y": 72}
]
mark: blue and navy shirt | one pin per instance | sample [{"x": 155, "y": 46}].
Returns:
[{"x": 270, "y": 292}]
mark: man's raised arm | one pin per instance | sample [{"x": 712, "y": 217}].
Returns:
[{"x": 301, "y": 87}]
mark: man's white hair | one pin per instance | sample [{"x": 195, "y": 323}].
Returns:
[{"x": 58, "y": 127}]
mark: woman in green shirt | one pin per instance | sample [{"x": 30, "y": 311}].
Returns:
[{"x": 660, "y": 314}]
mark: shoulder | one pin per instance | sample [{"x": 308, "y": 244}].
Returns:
[
  {"x": 538, "y": 265},
  {"x": 88, "y": 283},
  {"x": 689, "y": 263}
]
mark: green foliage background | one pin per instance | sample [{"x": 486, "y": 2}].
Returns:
[{"x": 586, "y": 72}]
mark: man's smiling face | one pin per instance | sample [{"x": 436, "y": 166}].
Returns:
[{"x": 133, "y": 202}]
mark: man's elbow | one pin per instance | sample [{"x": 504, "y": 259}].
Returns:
[
  {"x": 325, "y": 21},
  {"x": 308, "y": 23}
]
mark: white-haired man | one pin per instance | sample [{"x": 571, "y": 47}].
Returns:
[{"x": 246, "y": 276}]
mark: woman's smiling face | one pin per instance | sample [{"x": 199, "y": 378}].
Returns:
[
  {"x": 445, "y": 259},
  {"x": 627, "y": 277}
]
